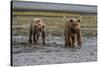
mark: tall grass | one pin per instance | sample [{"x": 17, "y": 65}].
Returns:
[{"x": 54, "y": 25}]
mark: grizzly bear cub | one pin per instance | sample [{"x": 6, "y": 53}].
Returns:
[
  {"x": 37, "y": 29},
  {"x": 72, "y": 33}
]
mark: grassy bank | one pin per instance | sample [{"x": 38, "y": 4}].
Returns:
[{"x": 54, "y": 25}]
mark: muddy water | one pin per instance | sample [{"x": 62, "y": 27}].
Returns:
[{"x": 53, "y": 53}]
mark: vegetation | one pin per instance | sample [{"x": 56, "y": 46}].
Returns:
[{"x": 54, "y": 21}]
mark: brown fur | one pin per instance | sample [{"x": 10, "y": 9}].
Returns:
[
  {"x": 72, "y": 33},
  {"x": 37, "y": 29}
]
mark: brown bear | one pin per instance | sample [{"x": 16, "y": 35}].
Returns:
[
  {"x": 72, "y": 33},
  {"x": 37, "y": 29}
]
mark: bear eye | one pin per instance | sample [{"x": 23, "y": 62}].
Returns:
[{"x": 78, "y": 20}]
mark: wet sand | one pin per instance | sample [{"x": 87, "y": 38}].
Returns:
[{"x": 53, "y": 53}]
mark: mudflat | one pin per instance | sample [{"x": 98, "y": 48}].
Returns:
[{"x": 53, "y": 53}]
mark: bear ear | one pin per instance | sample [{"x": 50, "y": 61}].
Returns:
[
  {"x": 78, "y": 20},
  {"x": 43, "y": 26},
  {"x": 71, "y": 20},
  {"x": 38, "y": 21}
]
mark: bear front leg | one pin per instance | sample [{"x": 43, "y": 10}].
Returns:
[
  {"x": 66, "y": 41},
  {"x": 69, "y": 41},
  {"x": 43, "y": 37},
  {"x": 73, "y": 41},
  {"x": 35, "y": 38},
  {"x": 79, "y": 39},
  {"x": 30, "y": 35}
]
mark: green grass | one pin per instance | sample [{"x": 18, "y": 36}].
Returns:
[
  {"x": 44, "y": 13},
  {"x": 54, "y": 25}
]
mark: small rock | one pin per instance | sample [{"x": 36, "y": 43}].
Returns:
[
  {"x": 40, "y": 57},
  {"x": 91, "y": 53}
]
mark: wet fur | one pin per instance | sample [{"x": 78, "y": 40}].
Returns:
[
  {"x": 37, "y": 29},
  {"x": 72, "y": 33}
]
